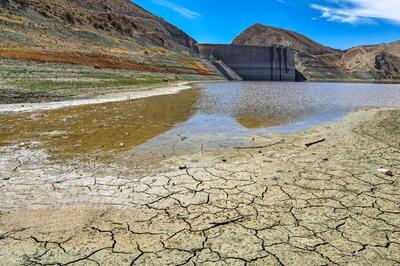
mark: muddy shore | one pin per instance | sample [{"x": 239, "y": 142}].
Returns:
[{"x": 336, "y": 201}]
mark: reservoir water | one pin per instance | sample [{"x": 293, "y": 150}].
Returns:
[{"x": 214, "y": 115}]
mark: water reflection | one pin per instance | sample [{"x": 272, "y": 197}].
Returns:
[
  {"x": 252, "y": 122},
  {"x": 258, "y": 105},
  {"x": 106, "y": 127}
]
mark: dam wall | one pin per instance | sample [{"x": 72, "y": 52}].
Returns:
[{"x": 270, "y": 63}]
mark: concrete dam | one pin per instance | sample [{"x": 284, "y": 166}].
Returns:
[{"x": 270, "y": 63}]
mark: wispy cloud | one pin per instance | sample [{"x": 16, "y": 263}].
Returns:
[
  {"x": 359, "y": 11},
  {"x": 178, "y": 9}
]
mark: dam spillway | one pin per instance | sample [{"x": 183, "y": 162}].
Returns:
[{"x": 269, "y": 63}]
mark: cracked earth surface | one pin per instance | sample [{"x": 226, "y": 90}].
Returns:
[{"x": 284, "y": 204}]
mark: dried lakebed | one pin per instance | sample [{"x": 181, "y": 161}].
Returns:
[{"x": 280, "y": 204}]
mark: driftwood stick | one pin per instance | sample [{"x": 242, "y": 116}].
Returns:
[
  {"x": 315, "y": 142},
  {"x": 260, "y": 147}
]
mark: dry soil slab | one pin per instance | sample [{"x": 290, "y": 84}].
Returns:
[{"x": 285, "y": 204}]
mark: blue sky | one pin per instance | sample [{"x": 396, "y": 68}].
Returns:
[{"x": 337, "y": 23}]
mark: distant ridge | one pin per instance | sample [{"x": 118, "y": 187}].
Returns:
[{"x": 259, "y": 34}]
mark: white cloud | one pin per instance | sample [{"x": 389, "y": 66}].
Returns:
[
  {"x": 177, "y": 8},
  {"x": 358, "y": 11}
]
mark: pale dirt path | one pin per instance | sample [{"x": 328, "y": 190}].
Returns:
[{"x": 280, "y": 205}]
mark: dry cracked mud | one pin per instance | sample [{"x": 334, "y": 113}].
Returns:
[{"x": 283, "y": 204}]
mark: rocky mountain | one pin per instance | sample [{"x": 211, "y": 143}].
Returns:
[
  {"x": 318, "y": 62},
  {"x": 379, "y": 62},
  {"x": 104, "y": 33},
  {"x": 259, "y": 34}
]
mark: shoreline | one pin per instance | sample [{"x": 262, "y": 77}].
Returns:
[
  {"x": 126, "y": 94},
  {"x": 107, "y": 98},
  {"x": 337, "y": 131}
]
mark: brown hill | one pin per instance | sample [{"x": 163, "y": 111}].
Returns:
[
  {"x": 259, "y": 34},
  {"x": 318, "y": 62},
  {"x": 379, "y": 62},
  {"x": 115, "y": 32}
]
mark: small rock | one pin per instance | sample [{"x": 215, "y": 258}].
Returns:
[
  {"x": 122, "y": 145},
  {"x": 224, "y": 160},
  {"x": 182, "y": 167},
  {"x": 385, "y": 171}
]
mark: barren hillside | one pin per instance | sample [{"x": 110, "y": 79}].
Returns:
[
  {"x": 379, "y": 62},
  {"x": 103, "y": 33}
]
